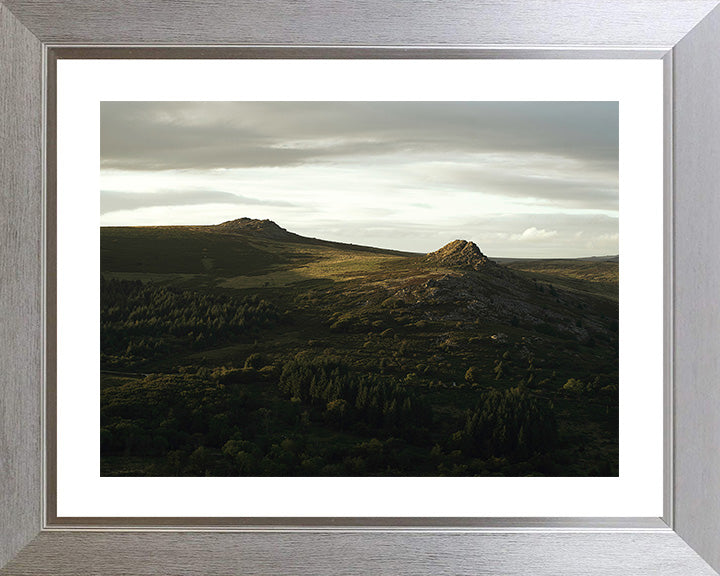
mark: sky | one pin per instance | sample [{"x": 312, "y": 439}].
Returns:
[{"x": 520, "y": 179}]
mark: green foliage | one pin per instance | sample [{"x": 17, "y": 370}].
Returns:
[
  {"x": 350, "y": 398},
  {"x": 501, "y": 369},
  {"x": 472, "y": 375},
  {"x": 574, "y": 385},
  {"x": 509, "y": 422},
  {"x": 141, "y": 321},
  {"x": 255, "y": 361},
  {"x": 344, "y": 324}
]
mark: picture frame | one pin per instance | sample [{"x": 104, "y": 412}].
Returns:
[{"x": 683, "y": 33}]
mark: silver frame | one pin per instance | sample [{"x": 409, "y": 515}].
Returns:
[{"x": 684, "y": 33}]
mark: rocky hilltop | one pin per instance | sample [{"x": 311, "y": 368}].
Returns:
[
  {"x": 460, "y": 254},
  {"x": 266, "y": 228}
]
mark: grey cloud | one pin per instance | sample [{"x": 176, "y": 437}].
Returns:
[
  {"x": 113, "y": 201},
  {"x": 570, "y": 191},
  {"x": 184, "y": 135}
]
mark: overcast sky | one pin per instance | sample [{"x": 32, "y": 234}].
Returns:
[{"x": 535, "y": 179}]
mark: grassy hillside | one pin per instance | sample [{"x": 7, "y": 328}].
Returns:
[
  {"x": 245, "y": 349},
  {"x": 586, "y": 275}
]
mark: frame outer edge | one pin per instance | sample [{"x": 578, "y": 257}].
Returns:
[
  {"x": 327, "y": 554},
  {"x": 20, "y": 166},
  {"x": 20, "y": 284},
  {"x": 580, "y": 23},
  {"x": 696, "y": 113}
]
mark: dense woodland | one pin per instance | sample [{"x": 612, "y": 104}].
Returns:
[{"x": 140, "y": 321}]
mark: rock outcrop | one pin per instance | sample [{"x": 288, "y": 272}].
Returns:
[
  {"x": 460, "y": 254},
  {"x": 265, "y": 228}
]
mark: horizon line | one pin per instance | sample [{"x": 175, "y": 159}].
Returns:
[{"x": 594, "y": 256}]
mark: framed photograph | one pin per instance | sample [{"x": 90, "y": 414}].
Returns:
[{"x": 410, "y": 304}]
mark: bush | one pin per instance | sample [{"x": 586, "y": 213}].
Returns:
[
  {"x": 472, "y": 376},
  {"x": 574, "y": 385},
  {"x": 255, "y": 361},
  {"x": 345, "y": 324}
]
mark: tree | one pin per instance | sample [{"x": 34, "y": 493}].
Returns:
[
  {"x": 264, "y": 414},
  {"x": 472, "y": 376},
  {"x": 574, "y": 385},
  {"x": 199, "y": 461},
  {"x": 254, "y": 361},
  {"x": 500, "y": 370},
  {"x": 507, "y": 423},
  {"x": 336, "y": 411}
]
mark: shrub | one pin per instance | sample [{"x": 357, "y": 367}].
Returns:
[
  {"x": 472, "y": 376},
  {"x": 574, "y": 385},
  {"x": 254, "y": 361}
]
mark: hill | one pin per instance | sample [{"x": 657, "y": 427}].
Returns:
[
  {"x": 598, "y": 276},
  {"x": 258, "y": 317},
  {"x": 196, "y": 256}
]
